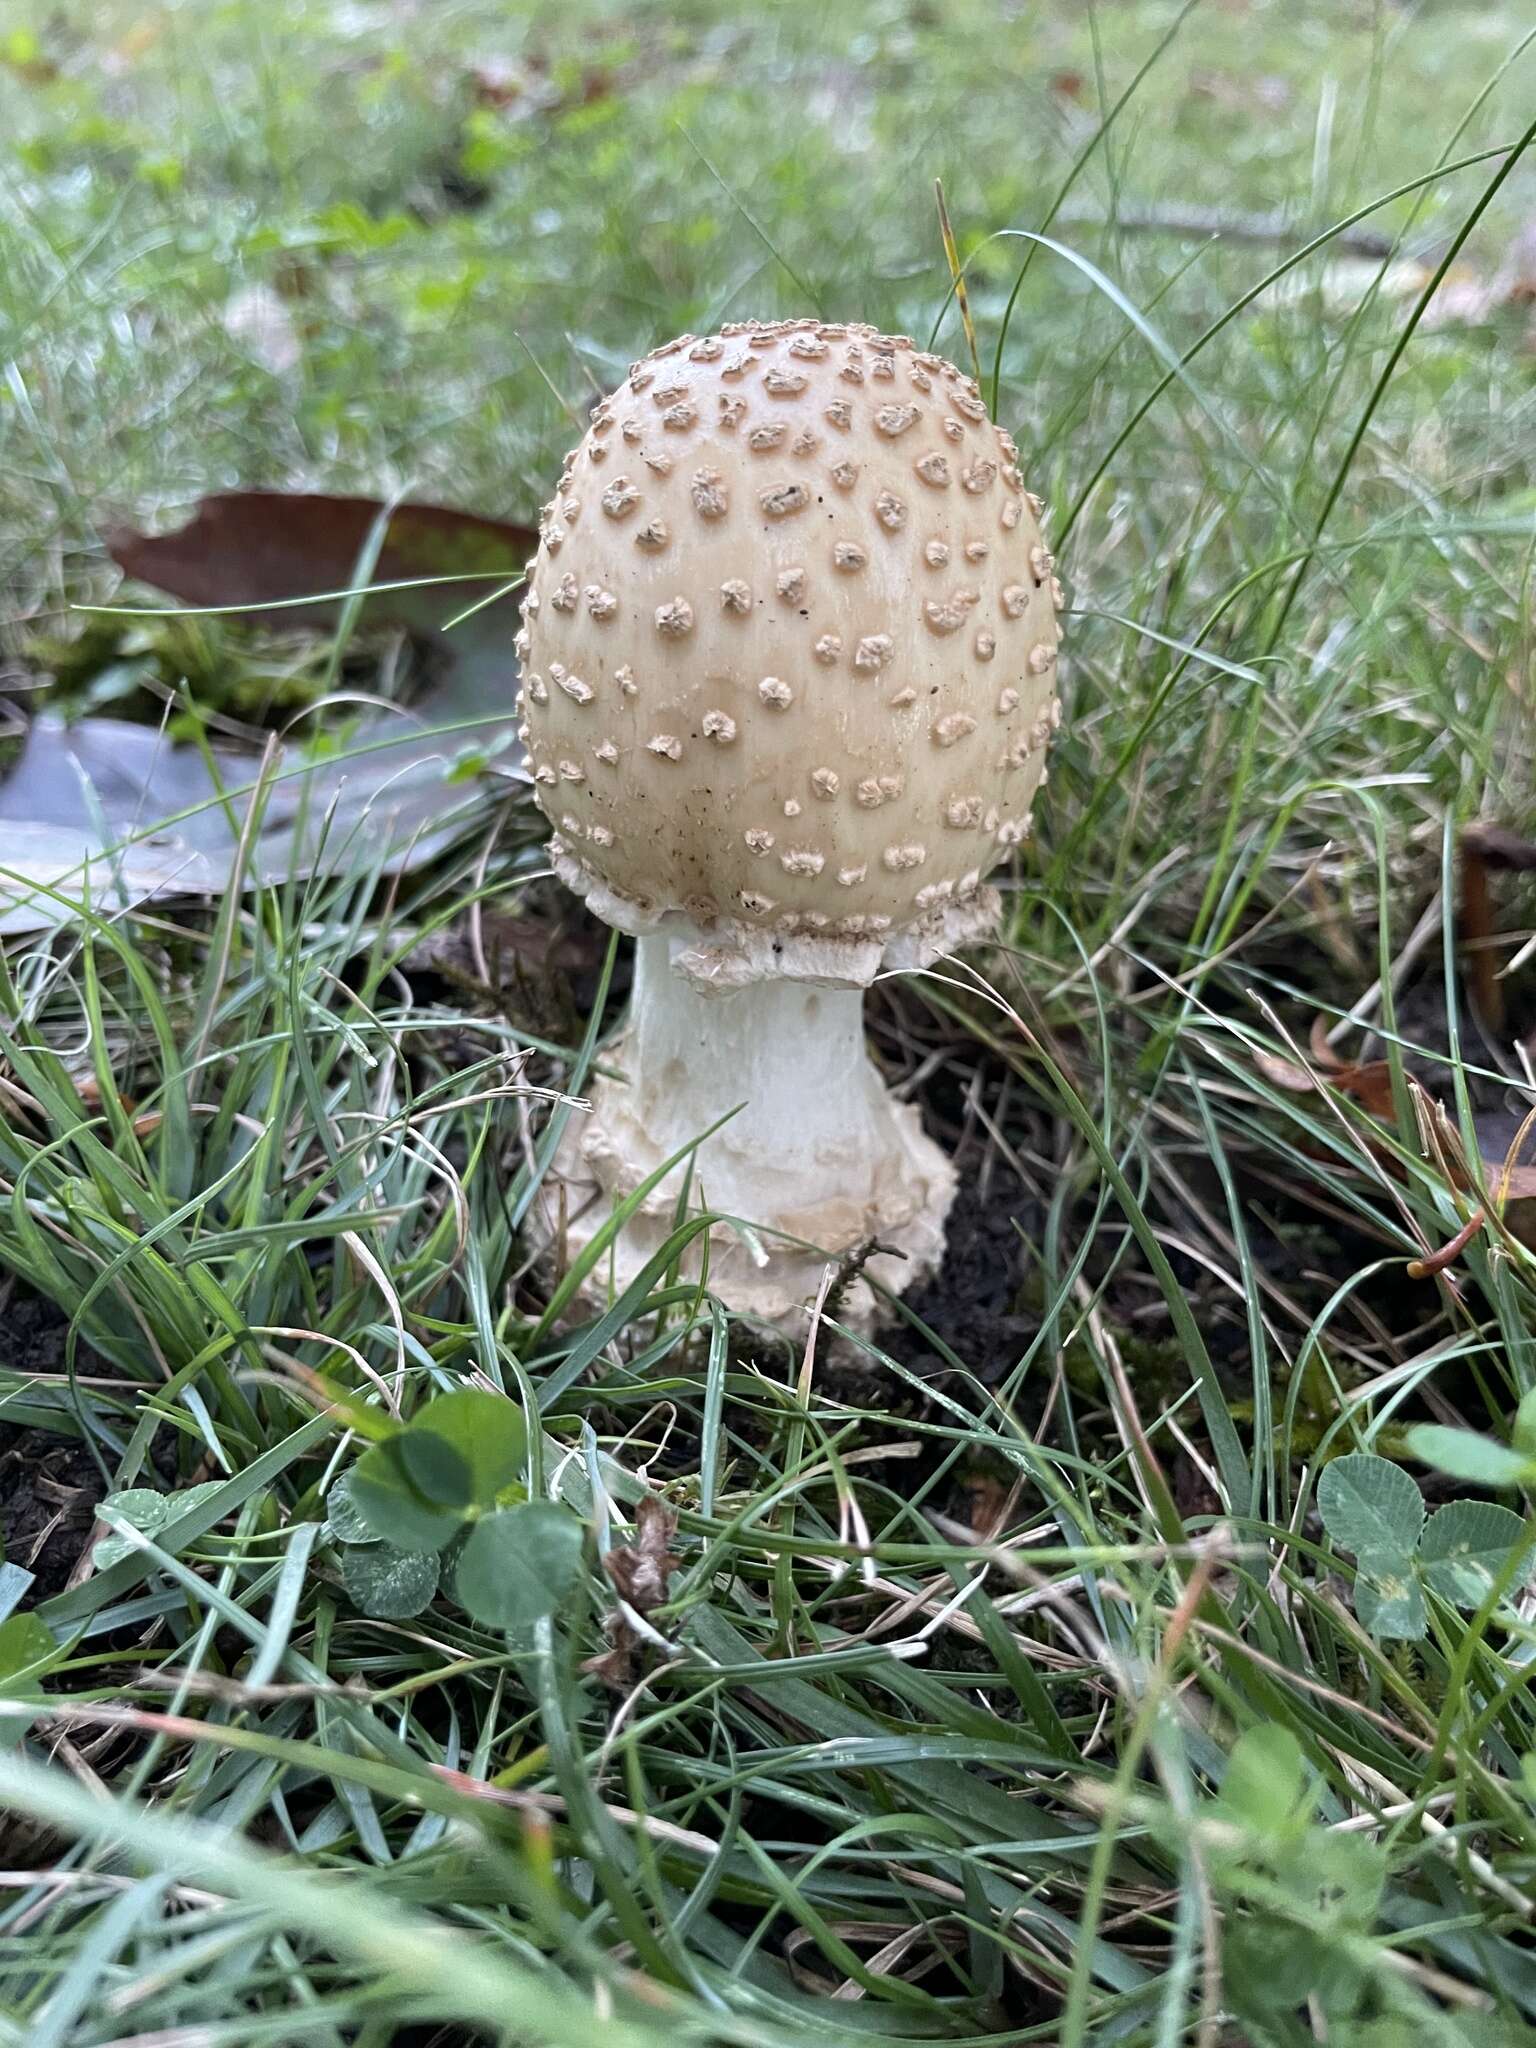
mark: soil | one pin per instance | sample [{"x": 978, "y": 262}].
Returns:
[
  {"x": 49, "y": 1484},
  {"x": 973, "y": 1302}
]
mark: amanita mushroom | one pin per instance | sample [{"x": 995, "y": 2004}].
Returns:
[{"x": 789, "y": 652}]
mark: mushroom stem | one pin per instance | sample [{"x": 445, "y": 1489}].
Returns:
[
  {"x": 787, "y": 1056},
  {"x": 818, "y": 1150}
]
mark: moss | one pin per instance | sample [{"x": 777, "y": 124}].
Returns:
[{"x": 131, "y": 668}]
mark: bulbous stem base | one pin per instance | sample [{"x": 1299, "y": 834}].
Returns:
[{"x": 817, "y": 1150}]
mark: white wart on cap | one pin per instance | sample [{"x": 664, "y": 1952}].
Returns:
[{"x": 789, "y": 651}]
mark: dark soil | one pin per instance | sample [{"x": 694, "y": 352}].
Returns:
[
  {"x": 972, "y": 1304},
  {"x": 49, "y": 1484},
  {"x": 49, "y": 1487}
]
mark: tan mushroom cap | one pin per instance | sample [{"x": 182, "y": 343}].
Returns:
[{"x": 789, "y": 652}]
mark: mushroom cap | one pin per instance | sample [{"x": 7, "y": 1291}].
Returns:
[{"x": 789, "y": 653}]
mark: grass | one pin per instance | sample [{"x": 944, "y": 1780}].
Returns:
[{"x": 1020, "y": 1677}]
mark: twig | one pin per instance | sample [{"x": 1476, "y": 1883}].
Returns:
[{"x": 1269, "y": 228}]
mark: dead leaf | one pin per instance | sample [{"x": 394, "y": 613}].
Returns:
[
  {"x": 89, "y": 799},
  {"x": 1505, "y": 1141},
  {"x": 396, "y": 796},
  {"x": 280, "y": 547},
  {"x": 639, "y": 1572},
  {"x": 1503, "y": 1137},
  {"x": 1370, "y": 1084},
  {"x": 276, "y": 548}
]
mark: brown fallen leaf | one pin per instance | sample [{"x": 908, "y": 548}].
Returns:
[
  {"x": 279, "y": 548},
  {"x": 1369, "y": 1084},
  {"x": 639, "y": 1572},
  {"x": 412, "y": 776},
  {"x": 1503, "y": 1138}
]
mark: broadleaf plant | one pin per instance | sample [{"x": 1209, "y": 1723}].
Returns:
[
  {"x": 1482, "y": 1460},
  {"x": 1462, "y": 1552},
  {"x": 520, "y": 1564},
  {"x": 149, "y": 1512},
  {"x": 390, "y": 1584},
  {"x": 454, "y": 1477}
]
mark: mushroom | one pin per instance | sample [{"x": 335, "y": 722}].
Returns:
[{"x": 789, "y": 655}]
